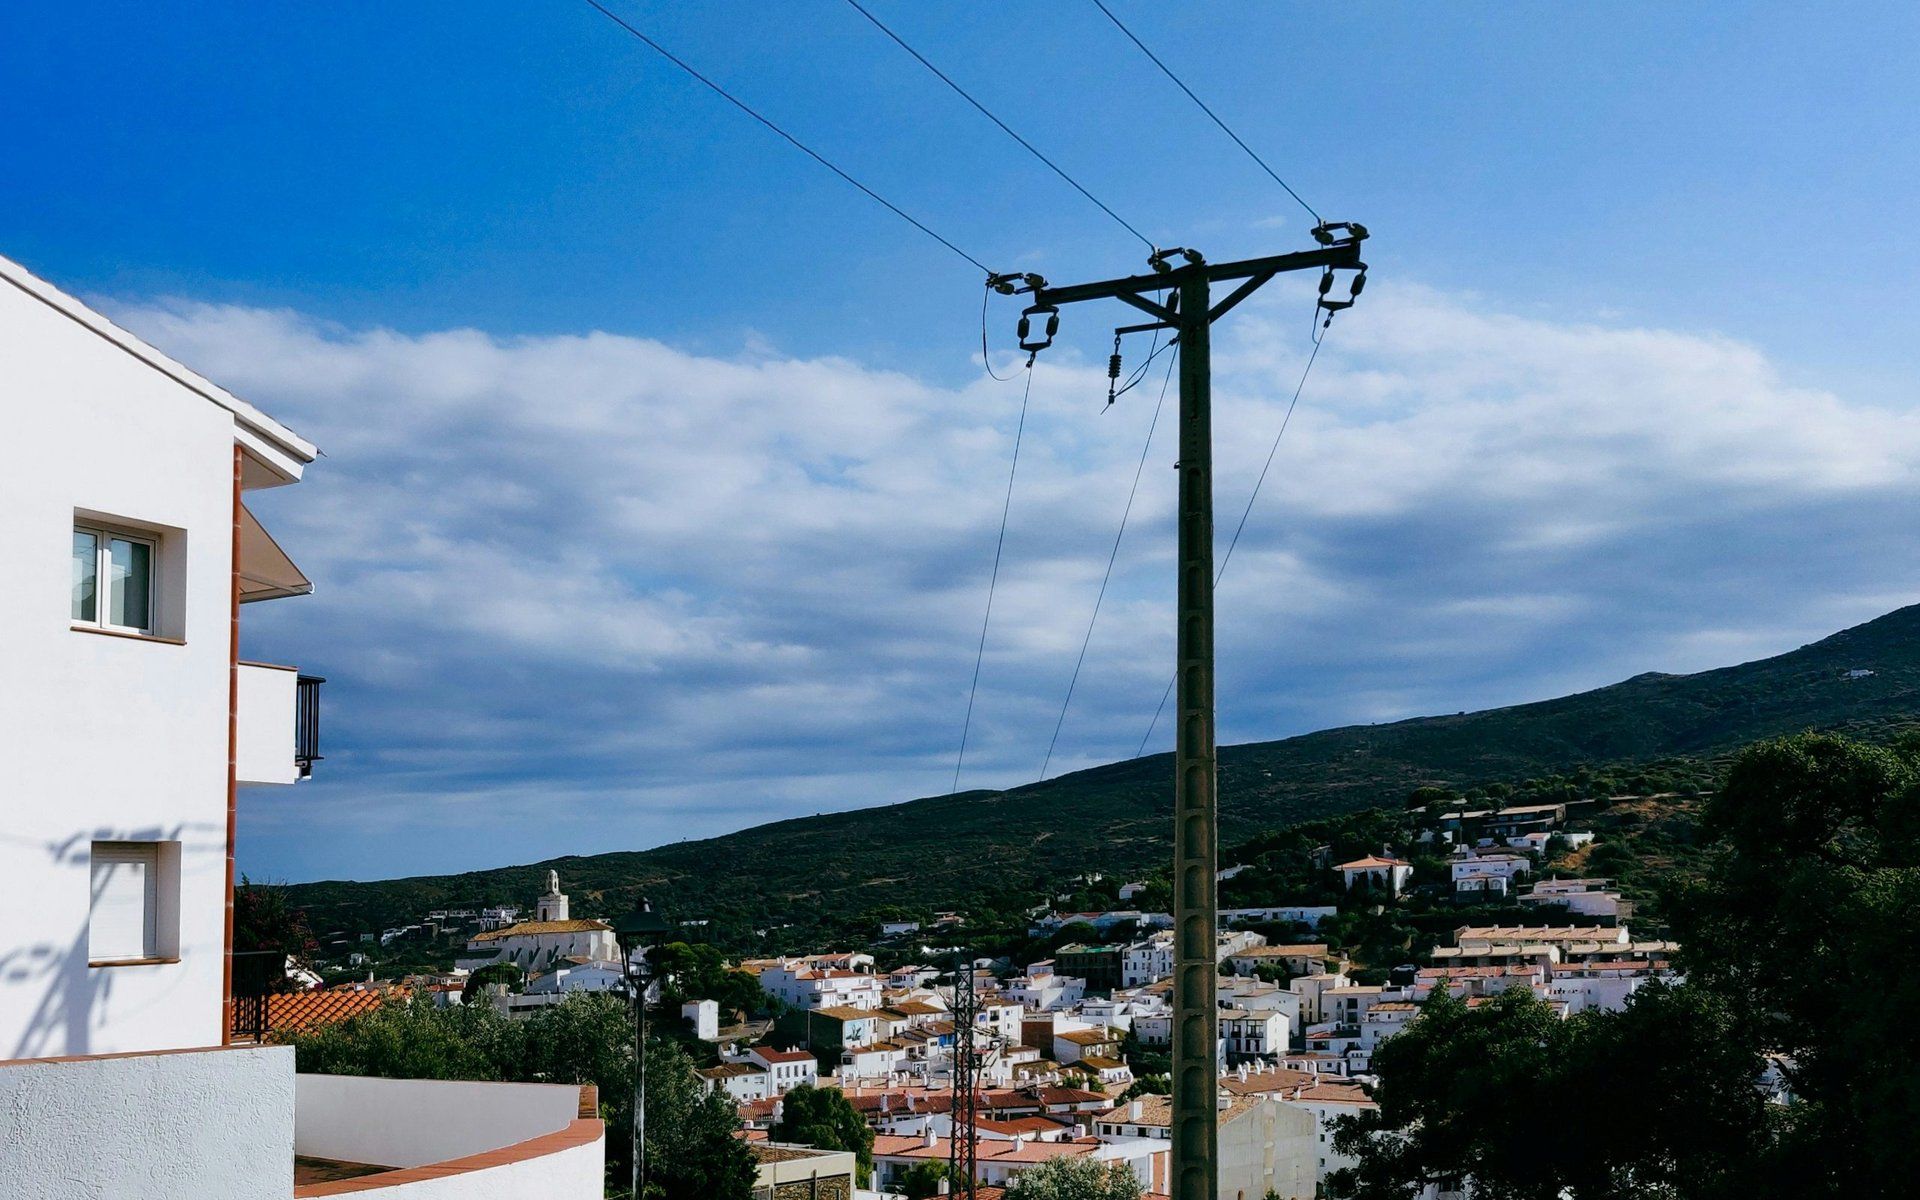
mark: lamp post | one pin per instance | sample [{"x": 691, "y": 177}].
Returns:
[{"x": 632, "y": 933}]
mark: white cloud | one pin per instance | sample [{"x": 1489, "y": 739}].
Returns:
[{"x": 628, "y": 594}]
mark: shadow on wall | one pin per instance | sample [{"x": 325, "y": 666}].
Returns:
[{"x": 73, "y": 998}]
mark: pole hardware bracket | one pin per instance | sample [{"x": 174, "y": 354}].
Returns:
[
  {"x": 1028, "y": 341},
  {"x": 1158, "y": 260},
  {"x": 1331, "y": 306},
  {"x": 1339, "y": 233},
  {"x": 1014, "y": 282}
]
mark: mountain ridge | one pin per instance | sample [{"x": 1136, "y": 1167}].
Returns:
[{"x": 1116, "y": 817}]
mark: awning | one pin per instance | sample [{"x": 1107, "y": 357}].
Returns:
[{"x": 266, "y": 573}]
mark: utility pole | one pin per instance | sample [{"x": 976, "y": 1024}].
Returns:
[{"x": 1195, "y": 1131}]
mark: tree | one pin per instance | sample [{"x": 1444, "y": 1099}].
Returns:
[
  {"x": 1811, "y": 875},
  {"x": 923, "y": 1179},
  {"x": 1814, "y": 878},
  {"x": 1077, "y": 1178},
  {"x": 1668, "y": 1103},
  {"x": 692, "y": 1153},
  {"x": 500, "y": 972},
  {"x": 263, "y": 920},
  {"x": 823, "y": 1117},
  {"x": 699, "y": 972}
]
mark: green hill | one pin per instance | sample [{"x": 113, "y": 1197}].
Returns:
[{"x": 821, "y": 871}]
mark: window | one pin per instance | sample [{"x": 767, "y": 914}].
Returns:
[
  {"x": 123, "y": 923},
  {"x": 113, "y": 579}
]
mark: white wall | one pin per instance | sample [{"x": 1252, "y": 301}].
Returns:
[
  {"x": 211, "y": 1124},
  {"x": 264, "y": 725},
  {"x": 413, "y": 1122},
  {"x": 106, "y": 737}
]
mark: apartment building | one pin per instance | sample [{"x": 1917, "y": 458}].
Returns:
[{"x": 130, "y": 726}]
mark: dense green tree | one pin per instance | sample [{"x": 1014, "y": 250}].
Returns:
[
  {"x": 1800, "y": 940},
  {"x": 700, "y": 972},
  {"x": 922, "y": 1180},
  {"x": 823, "y": 1117},
  {"x": 692, "y": 1153},
  {"x": 1667, "y": 1103},
  {"x": 1078, "y": 1178},
  {"x": 500, "y": 972},
  {"x": 1808, "y": 921}
]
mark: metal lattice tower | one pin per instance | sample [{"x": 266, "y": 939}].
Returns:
[{"x": 963, "y": 1153}]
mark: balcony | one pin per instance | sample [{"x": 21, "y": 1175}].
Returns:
[{"x": 278, "y": 724}]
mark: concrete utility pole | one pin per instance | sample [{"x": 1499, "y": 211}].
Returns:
[{"x": 1195, "y": 1131}]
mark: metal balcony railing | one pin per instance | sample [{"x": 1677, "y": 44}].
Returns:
[
  {"x": 256, "y": 973},
  {"x": 306, "y": 724}
]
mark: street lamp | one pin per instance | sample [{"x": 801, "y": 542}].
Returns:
[{"x": 632, "y": 933}]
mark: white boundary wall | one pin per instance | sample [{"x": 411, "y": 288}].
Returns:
[
  {"x": 213, "y": 1124},
  {"x": 415, "y": 1122}
]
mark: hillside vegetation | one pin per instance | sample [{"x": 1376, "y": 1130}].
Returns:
[{"x": 763, "y": 887}]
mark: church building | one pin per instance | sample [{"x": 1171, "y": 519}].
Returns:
[{"x": 551, "y": 937}]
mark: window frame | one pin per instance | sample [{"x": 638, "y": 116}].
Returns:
[
  {"x": 104, "y": 535},
  {"x": 153, "y": 858}
]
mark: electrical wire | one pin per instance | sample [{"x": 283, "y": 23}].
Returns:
[
  {"x": 1221, "y": 570},
  {"x": 993, "y": 580},
  {"x": 1004, "y": 127},
  {"x": 797, "y": 144},
  {"x": 1112, "y": 555},
  {"x": 1168, "y": 72}
]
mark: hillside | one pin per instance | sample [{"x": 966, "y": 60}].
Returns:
[{"x": 942, "y": 850}]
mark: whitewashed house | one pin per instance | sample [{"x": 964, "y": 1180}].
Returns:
[
  {"x": 819, "y": 981},
  {"x": 1250, "y": 1035},
  {"x": 130, "y": 723},
  {"x": 1587, "y": 897},
  {"x": 1377, "y": 872},
  {"x": 786, "y": 1069}
]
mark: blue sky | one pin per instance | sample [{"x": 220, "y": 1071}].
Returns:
[{"x": 662, "y": 477}]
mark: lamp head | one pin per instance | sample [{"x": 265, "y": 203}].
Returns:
[{"x": 640, "y": 927}]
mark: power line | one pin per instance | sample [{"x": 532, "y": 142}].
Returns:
[
  {"x": 1004, "y": 127},
  {"x": 1221, "y": 570},
  {"x": 993, "y": 581},
  {"x": 799, "y": 145},
  {"x": 1111, "y": 556},
  {"x": 1168, "y": 72}
]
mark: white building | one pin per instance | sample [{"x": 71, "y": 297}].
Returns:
[
  {"x": 1265, "y": 1147},
  {"x": 552, "y": 938},
  {"x": 1308, "y": 958},
  {"x": 786, "y": 1069},
  {"x": 811, "y": 983},
  {"x": 559, "y": 981},
  {"x": 1586, "y": 897},
  {"x": 1308, "y": 915},
  {"x": 1001, "y": 1160},
  {"x": 743, "y": 1081},
  {"x": 1500, "y": 864},
  {"x": 1377, "y": 872},
  {"x": 129, "y": 723},
  {"x": 1250, "y": 1035},
  {"x": 703, "y": 1017},
  {"x": 1147, "y": 961}
]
